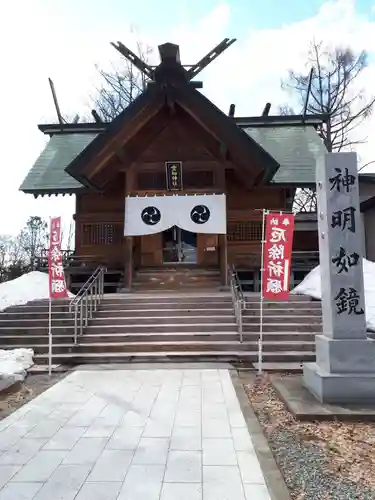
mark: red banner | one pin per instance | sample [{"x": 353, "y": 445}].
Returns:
[
  {"x": 277, "y": 256},
  {"x": 57, "y": 284}
]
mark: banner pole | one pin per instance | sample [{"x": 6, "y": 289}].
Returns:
[
  {"x": 50, "y": 337},
  {"x": 260, "y": 342}
]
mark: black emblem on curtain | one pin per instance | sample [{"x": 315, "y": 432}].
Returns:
[
  {"x": 151, "y": 216},
  {"x": 174, "y": 175},
  {"x": 200, "y": 214}
]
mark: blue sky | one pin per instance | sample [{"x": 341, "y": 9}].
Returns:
[
  {"x": 151, "y": 15},
  {"x": 64, "y": 39}
]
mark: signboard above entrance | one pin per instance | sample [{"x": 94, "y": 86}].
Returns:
[
  {"x": 154, "y": 214},
  {"x": 174, "y": 175}
]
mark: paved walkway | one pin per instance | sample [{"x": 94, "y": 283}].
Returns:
[{"x": 131, "y": 435}]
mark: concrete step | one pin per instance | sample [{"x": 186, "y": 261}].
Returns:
[
  {"x": 184, "y": 346},
  {"x": 225, "y": 310},
  {"x": 184, "y": 269},
  {"x": 33, "y": 340},
  {"x": 35, "y": 330},
  {"x": 268, "y": 318},
  {"x": 167, "y": 356},
  {"x": 167, "y": 306},
  {"x": 121, "y": 320},
  {"x": 35, "y": 322},
  {"x": 140, "y": 313},
  {"x": 297, "y": 311},
  {"x": 161, "y": 328},
  {"x": 162, "y": 320},
  {"x": 150, "y": 337},
  {"x": 141, "y": 287},
  {"x": 34, "y": 315},
  {"x": 269, "y": 326},
  {"x": 295, "y": 304},
  {"x": 280, "y": 367}
]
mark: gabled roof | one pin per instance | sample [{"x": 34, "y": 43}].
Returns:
[
  {"x": 47, "y": 175},
  {"x": 158, "y": 100},
  {"x": 295, "y": 148}
]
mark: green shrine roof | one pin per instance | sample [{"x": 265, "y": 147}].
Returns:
[
  {"x": 48, "y": 175},
  {"x": 294, "y": 147}
]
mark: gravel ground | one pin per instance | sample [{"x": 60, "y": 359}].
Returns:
[
  {"x": 20, "y": 394},
  {"x": 319, "y": 461}
]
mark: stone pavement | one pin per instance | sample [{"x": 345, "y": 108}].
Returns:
[{"x": 131, "y": 435}]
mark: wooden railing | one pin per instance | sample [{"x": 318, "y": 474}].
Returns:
[{"x": 41, "y": 261}]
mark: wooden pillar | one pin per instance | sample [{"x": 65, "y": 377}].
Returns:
[
  {"x": 223, "y": 256},
  {"x": 128, "y": 262},
  {"x": 128, "y": 243},
  {"x": 223, "y": 250}
]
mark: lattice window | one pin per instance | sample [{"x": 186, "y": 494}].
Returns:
[
  {"x": 152, "y": 180},
  {"x": 198, "y": 179},
  {"x": 244, "y": 231},
  {"x": 102, "y": 234}
]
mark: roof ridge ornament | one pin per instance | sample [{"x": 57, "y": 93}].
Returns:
[{"x": 170, "y": 63}]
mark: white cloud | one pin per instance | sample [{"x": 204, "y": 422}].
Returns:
[{"x": 48, "y": 41}]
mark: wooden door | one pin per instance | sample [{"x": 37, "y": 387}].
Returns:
[
  {"x": 208, "y": 249},
  {"x": 152, "y": 250}
]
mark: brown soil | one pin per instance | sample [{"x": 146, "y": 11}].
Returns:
[
  {"x": 349, "y": 447},
  {"x": 20, "y": 394}
]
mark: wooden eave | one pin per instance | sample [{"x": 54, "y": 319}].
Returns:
[
  {"x": 156, "y": 105},
  {"x": 245, "y": 152},
  {"x": 121, "y": 129}
]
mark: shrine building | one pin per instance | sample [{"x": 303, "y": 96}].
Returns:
[{"x": 174, "y": 183}]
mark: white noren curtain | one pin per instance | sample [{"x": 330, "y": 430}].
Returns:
[{"x": 195, "y": 213}]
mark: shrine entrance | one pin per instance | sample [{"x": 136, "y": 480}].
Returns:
[{"x": 179, "y": 246}]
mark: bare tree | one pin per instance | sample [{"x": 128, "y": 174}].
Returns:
[
  {"x": 33, "y": 240},
  {"x": 121, "y": 85},
  {"x": 12, "y": 258},
  {"x": 335, "y": 93}
]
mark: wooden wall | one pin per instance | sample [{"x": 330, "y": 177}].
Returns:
[
  {"x": 244, "y": 208},
  {"x": 100, "y": 216},
  {"x": 99, "y": 222}
]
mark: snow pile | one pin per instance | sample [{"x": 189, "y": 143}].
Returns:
[
  {"x": 14, "y": 365},
  {"x": 30, "y": 286},
  {"x": 311, "y": 286}
]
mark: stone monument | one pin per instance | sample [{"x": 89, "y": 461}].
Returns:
[{"x": 344, "y": 371}]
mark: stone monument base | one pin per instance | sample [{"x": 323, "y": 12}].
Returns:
[{"x": 339, "y": 388}]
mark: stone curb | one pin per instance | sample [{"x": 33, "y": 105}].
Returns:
[{"x": 274, "y": 479}]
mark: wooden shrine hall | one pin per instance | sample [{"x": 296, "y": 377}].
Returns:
[{"x": 175, "y": 183}]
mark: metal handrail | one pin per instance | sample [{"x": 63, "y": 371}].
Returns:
[
  {"x": 238, "y": 300},
  {"x": 87, "y": 300}
]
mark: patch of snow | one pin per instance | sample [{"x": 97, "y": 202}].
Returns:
[
  {"x": 14, "y": 364},
  {"x": 30, "y": 286},
  {"x": 311, "y": 286}
]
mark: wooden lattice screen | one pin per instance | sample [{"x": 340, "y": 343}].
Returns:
[
  {"x": 191, "y": 179},
  {"x": 198, "y": 179},
  {"x": 244, "y": 231},
  {"x": 102, "y": 233}
]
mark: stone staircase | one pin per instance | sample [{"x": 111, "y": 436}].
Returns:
[
  {"x": 176, "y": 278},
  {"x": 167, "y": 326}
]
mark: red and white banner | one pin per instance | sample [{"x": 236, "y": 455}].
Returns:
[
  {"x": 57, "y": 284},
  {"x": 277, "y": 256}
]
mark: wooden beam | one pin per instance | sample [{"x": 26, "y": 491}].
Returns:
[
  {"x": 215, "y": 147},
  {"x": 134, "y": 59},
  {"x": 133, "y": 148},
  {"x": 208, "y": 58},
  {"x": 129, "y": 130}
]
